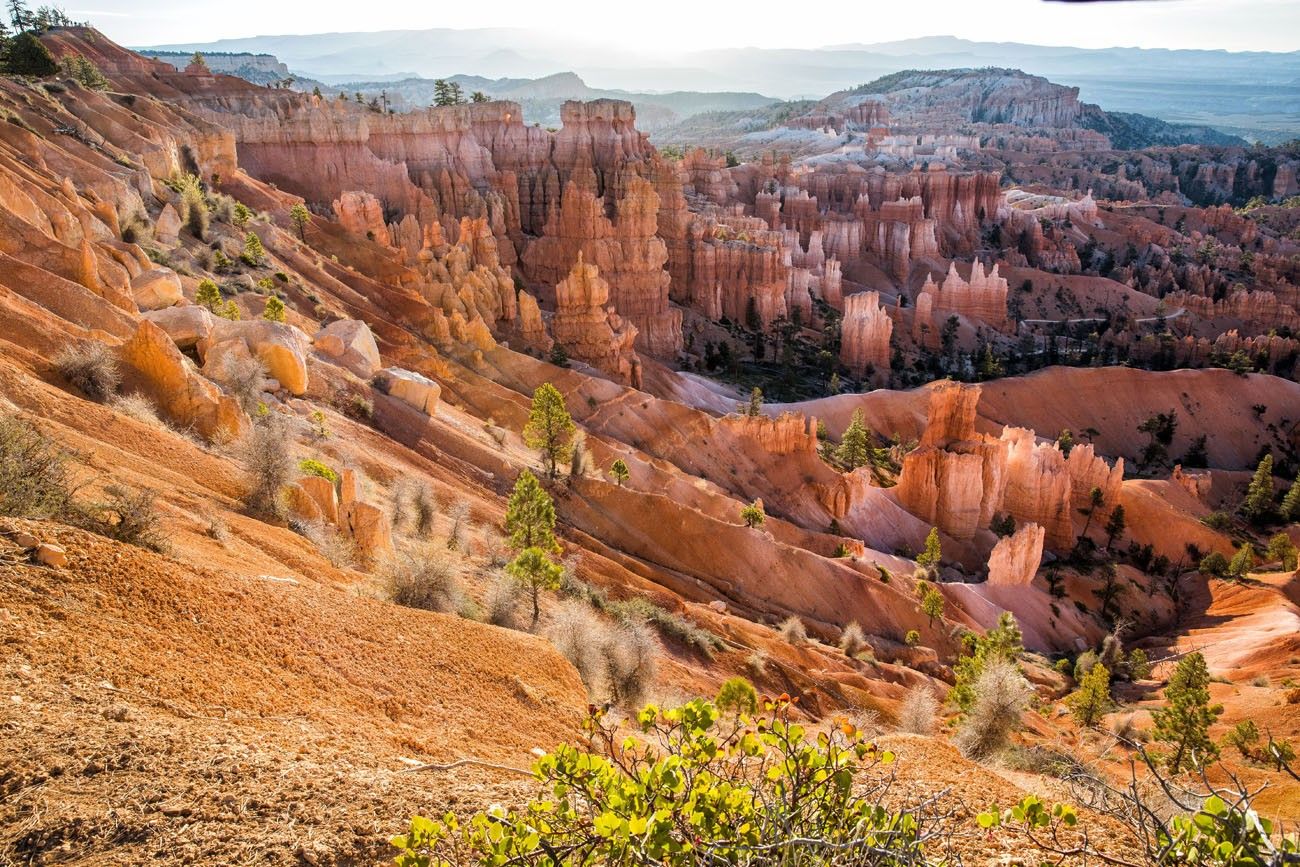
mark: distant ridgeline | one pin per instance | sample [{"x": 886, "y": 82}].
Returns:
[{"x": 257, "y": 68}]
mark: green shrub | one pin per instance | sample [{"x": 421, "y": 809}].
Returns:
[
  {"x": 737, "y": 696},
  {"x": 313, "y": 467},
  {"x": 688, "y": 792}
]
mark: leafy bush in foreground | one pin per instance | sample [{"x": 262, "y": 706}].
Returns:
[{"x": 690, "y": 791}]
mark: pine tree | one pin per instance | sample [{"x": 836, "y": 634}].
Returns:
[
  {"x": 930, "y": 557},
  {"x": 441, "y": 92},
  {"x": 753, "y": 515},
  {"x": 1242, "y": 562},
  {"x": 478, "y": 96},
  {"x": 1258, "y": 504},
  {"x": 530, "y": 515},
  {"x": 932, "y": 605},
  {"x": 855, "y": 446},
  {"x": 550, "y": 428},
  {"x": 1066, "y": 441},
  {"x": 1282, "y": 550},
  {"x": 19, "y": 15},
  {"x": 1092, "y": 699},
  {"x": 619, "y": 471},
  {"x": 301, "y": 217},
  {"x": 1115, "y": 525},
  {"x": 1002, "y": 642},
  {"x": 274, "y": 310},
  {"x": 1095, "y": 500},
  {"x": 1185, "y": 723},
  {"x": 1291, "y": 502},
  {"x": 537, "y": 572},
  {"x": 208, "y": 295},
  {"x": 755, "y": 407},
  {"x": 254, "y": 252},
  {"x": 27, "y": 55}
]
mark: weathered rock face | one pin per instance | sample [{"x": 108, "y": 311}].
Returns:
[
  {"x": 983, "y": 298},
  {"x": 1087, "y": 471},
  {"x": 467, "y": 278},
  {"x": 958, "y": 479},
  {"x": 153, "y": 365},
  {"x": 411, "y": 388},
  {"x": 349, "y": 343},
  {"x": 1038, "y": 486},
  {"x": 865, "y": 330},
  {"x": 156, "y": 288},
  {"x": 589, "y": 330},
  {"x": 282, "y": 349},
  {"x": 367, "y": 525},
  {"x": 627, "y": 252},
  {"x": 531, "y": 326},
  {"x": 1016, "y": 558},
  {"x": 955, "y": 478},
  {"x": 187, "y": 325},
  {"x": 787, "y": 434}
]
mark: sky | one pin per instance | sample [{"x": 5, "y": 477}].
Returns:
[{"x": 1234, "y": 25}]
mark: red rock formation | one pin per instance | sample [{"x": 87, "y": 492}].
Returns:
[
  {"x": 1038, "y": 486},
  {"x": 1016, "y": 558},
  {"x": 787, "y": 434},
  {"x": 955, "y": 479},
  {"x": 588, "y": 330},
  {"x": 626, "y": 250},
  {"x": 865, "y": 332},
  {"x": 1087, "y": 471},
  {"x": 982, "y": 298}
]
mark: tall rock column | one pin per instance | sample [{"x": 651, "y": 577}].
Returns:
[{"x": 865, "y": 329}]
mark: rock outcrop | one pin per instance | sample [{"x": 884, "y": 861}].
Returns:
[
  {"x": 589, "y": 330},
  {"x": 281, "y": 348},
  {"x": 154, "y": 366},
  {"x": 411, "y": 388},
  {"x": 349, "y": 344},
  {"x": 629, "y": 255}
]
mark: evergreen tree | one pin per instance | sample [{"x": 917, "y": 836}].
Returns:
[
  {"x": 208, "y": 295},
  {"x": 530, "y": 515},
  {"x": 755, "y": 406},
  {"x": 1258, "y": 504},
  {"x": 478, "y": 96},
  {"x": 301, "y": 217},
  {"x": 1115, "y": 525},
  {"x": 1065, "y": 439},
  {"x": 855, "y": 448},
  {"x": 1095, "y": 499},
  {"x": 1185, "y": 723},
  {"x": 537, "y": 572},
  {"x": 619, "y": 471},
  {"x": 1291, "y": 502},
  {"x": 457, "y": 95},
  {"x": 274, "y": 310},
  {"x": 254, "y": 252},
  {"x": 753, "y": 515},
  {"x": 29, "y": 56},
  {"x": 930, "y": 557},
  {"x": 1091, "y": 700},
  {"x": 441, "y": 93},
  {"x": 932, "y": 605},
  {"x": 1002, "y": 642},
  {"x": 550, "y": 428},
  {"x": 1282, "y": 550},
  {"x": 240, "y": 215},
  {"x": 19, "y": 15},
  {"x": 1242, "y": 562}
]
